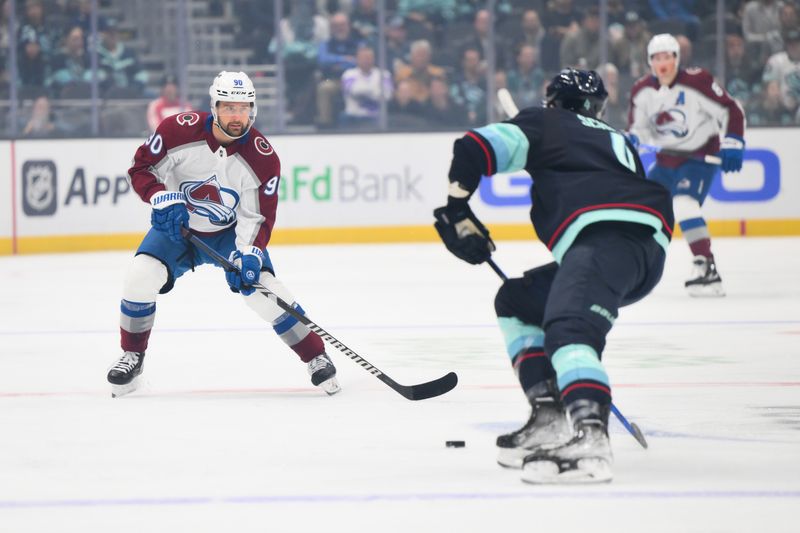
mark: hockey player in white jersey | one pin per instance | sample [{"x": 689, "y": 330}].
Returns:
[
  {"x": 684, "y": 110},
  {"x": 216, "y": 175}
]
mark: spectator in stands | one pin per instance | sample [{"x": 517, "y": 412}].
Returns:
[
  {"x": 365, "y": 20},
  {"x": 397, "y": 45},
  {"x": 41, "y": 122},
  {"x": 302, "y": 32},
  {"x": 784, "y": 68},
  {"x": 768, "y": 108},
  {"x": 685, "y": 45},
  {"x": 478, "y": 39},
  {"x": 531, "y": 31},
  {"x": 34, "y": 26},
  {"x": 168, "y": 104},
  {"x": 123, "y": 76},
  {"x": 363, "y": 88},
  {"x": 524, "y": 81},
  {"x": 31, "y": 63},
  {"x": 405, "y": 112},
  {"x": 616, "y": 111},
  {"x": 629, "y": 53},
  {"x": 742, "y": 73},
  {"x": 581, "y": 48},
  {"x": 442, "y": 112},
  {"x": 419, "y": 72},
  {"x": 466, "y": 9},
  {"x": 682, "y": 15},
  {"x": 469, "y": 87},
  {"x": 560, "y": 18},
  {"x": 71, "y": 65},
  {"x": 82, "y": 16},
  {"x": 425, "y": 18},
  {"x": 761, "y": 27},
  {"x": 336, "y": 55}
]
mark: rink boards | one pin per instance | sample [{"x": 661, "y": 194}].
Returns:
[{"x": 74, "y": 195}]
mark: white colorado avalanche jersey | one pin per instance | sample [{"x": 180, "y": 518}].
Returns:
[
  {"x": 223, "y": 185},
  {"x": 689, "y": 115}
]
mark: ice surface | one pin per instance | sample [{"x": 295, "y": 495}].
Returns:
[{"x": 229, "y": 434}]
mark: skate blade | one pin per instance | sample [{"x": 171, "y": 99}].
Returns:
[
  {"x": 330, "y": 386},
  {"x": 513, "y": 457},
  {"x": 589, "y": 470},
  {"x": 713, "y": 290},
  {"x": 118, "y": 391}
]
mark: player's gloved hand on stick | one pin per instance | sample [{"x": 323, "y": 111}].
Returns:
[
  {"x": 462, "y": 232},
  {"x": 169, "y": 214},
  {"x": 249, "y": 265},
  {"x": 732, "y": 153},
  {"x": 632, "y": 138}
]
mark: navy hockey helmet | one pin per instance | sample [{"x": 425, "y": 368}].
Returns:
[{"x": 580, "y": 91}]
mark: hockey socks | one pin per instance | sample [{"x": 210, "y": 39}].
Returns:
[
  {"x": 135, "y": 323},
  {"x": 305, "y": 343}
]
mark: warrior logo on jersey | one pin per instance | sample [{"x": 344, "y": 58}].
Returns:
[
  {"x": 208, "y": 199},
  {"x": 187, "y": 119},
  {"x": 670, "y": 122},
  {"x": 262, "y": 146}
]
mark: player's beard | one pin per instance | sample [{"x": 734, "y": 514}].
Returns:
[{"x": 239, "y": 128}]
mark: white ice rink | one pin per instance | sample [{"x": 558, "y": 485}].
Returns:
[{"x": 229, "y": 435}]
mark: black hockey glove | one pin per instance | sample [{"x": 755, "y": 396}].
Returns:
[{"x": 462, "y": 232}]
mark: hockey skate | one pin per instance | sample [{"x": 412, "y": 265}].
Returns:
[
  {"x": 124, "y": 375},
  {"x": 705, "y": 280},
  {"x": 546, "y": 428},
  {"x": 323, "y": 374},
  {"x": 586, "y": 458}
]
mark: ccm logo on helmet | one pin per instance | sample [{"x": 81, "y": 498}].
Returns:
[
  {"x": 262, "y": 146},
  {"x": 187, "y": 119}
]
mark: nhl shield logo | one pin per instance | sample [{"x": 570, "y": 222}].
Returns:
[{"x": 39, "y": 192}]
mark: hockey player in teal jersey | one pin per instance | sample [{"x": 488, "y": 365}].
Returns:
[{"x": 608, "y": 229}]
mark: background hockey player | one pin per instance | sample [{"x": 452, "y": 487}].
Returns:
[
  {"x": 608, "y": 229},
  {"x": 218, "y": 176},
  {"x": 686, "y": 110}
]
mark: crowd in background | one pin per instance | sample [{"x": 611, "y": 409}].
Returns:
[{"x": 436, "y": 57}]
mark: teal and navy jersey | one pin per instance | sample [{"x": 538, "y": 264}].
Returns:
[{"x": 584, "y": 171}]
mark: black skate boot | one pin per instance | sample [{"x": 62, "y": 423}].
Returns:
[
  {"x": 705, "y": 280},
  {"x": 585, "y": 458},
  {"x": 323, "y": 374},
  {"x": 124, "y": 375},
  {"x": 547, "y": 427}
]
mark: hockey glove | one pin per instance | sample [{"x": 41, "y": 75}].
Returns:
[
  {"x": 169, "y": 214},
  {"x": 249, "y": 265},
  {"x": 633, "y": 139},
  {"x": 462, "y": 232},
  {"x": 732, "y": 153}
]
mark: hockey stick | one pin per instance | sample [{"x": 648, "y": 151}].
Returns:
[
  {"x": 507, "y": 102},
  {"x": 710, "y": 159},
  {"x": 422, "y": 391},
  {"x": 633, "y": 429}
]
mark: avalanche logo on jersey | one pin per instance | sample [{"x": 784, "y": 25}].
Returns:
[
  {"x": 208, "y": 199},
  {"x": 670, "y": 122}
]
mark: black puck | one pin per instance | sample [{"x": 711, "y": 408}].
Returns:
[{"x": 455, "y": 443}]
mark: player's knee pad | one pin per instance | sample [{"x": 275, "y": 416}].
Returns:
[
  {"x": 576, "y": 330},
  {"x": 525, "y": 297},
  {"x": 264, "y": 307},
  {"x": 686, "y": 208},
  {"x": 145, "y": 278}
]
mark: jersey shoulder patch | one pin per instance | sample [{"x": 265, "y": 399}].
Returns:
[
  {"x": 183, "y": 128},
  {"x": 259, "y": 153}
]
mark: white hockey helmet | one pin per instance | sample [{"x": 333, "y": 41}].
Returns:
[
  {"x": 233, "y": 87},
  {"x": 663, "y": 42}
]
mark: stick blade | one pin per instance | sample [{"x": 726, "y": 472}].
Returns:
[
  {"x": 431, "y": 389},
  {"x": 638, "y": 435}
]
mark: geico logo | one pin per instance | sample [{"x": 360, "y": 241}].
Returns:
[{"x": 761, "y": 167}]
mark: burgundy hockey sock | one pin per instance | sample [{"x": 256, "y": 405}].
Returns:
[
  {"x": 135, "y": 324},
  {"x": 701, "y": 247}
]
